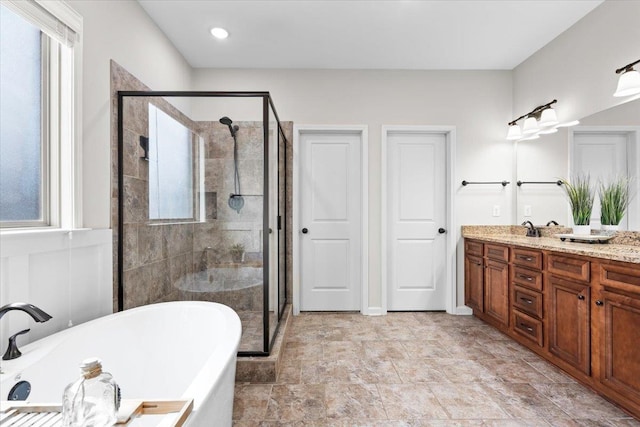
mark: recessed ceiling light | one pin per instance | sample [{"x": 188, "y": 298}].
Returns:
[{"x": 219, "y": 33}]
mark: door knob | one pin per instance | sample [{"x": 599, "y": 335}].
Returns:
[
  {"x": 441, "y": 230},
  {"x": 305, "y": 230}
]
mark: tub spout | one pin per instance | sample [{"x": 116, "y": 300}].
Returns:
[{"x": 36, "y": 313}]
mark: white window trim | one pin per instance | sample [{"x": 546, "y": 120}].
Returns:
[{"x": 59, "y": 21}]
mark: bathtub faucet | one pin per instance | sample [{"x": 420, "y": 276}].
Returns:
[{"x": 37, "y": 314}]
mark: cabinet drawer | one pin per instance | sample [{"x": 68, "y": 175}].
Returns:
[
  {"x": 625, "y": 277},
  {"x": 472, "y": 247},
  {"x": 527, "y": 258},
  {"x": 527, "y": 278},
  {"x": 528, "y": 327},
  {"x": 527, "y": 301},
  {"x": 497, "y": 252},
  {"x": 571, "y": 268}
]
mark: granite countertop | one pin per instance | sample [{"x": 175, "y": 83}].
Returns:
[{"x": 624, "y": 247}]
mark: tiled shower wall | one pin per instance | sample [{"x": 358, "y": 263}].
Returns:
[{"x": 157, "y": 256}]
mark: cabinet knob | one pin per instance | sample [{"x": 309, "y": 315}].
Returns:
[
  {"x": 599, "y": 303},
  {"x": 581, "y": 297}
]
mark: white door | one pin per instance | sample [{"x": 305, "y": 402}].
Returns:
[
  {"x": 603, "y": 156},
  {"x": 416, "y": 218},
  {"x": 330, "y": 215}
]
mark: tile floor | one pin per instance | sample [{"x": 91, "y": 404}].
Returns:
[{"x": 415, "y": 369}]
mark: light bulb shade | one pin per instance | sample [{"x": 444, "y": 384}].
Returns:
[
  {"x": 514, "y": 133},
  {"x": 530, "y": 126},
  {"x": 548, "y": 118},
  {"x": 628, "y": 83}
]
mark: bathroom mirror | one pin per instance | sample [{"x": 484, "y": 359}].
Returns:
[{"x": 604, "y": 143}]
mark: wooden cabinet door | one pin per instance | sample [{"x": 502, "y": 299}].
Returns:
[
  {"x": 620, "y": 358},
  {"x": 473, "y": 282},
  {"x": 569, "y": 333},
  {"x": 496, "y": 291}
]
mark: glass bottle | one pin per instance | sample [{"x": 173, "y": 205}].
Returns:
[{"x": 92, "y": 400}]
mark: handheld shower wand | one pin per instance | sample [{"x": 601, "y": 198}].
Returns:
[
  {"x": 228, "y": 122},
  {"x": 236, "y": 201}
]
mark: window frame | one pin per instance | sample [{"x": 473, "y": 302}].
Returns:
[
  {"x": 195, "y": 181},
  {"x": 61, "y": 125}
]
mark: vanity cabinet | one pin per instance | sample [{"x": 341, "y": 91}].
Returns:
[
  {"x": 618, "y": 311},
  {"x": 569, "y": 322},
  {"x": 487, "y": 281},
  {"x": 496, "y": 283},
  {"x": 474, "y": 275},
  {"x": 527, "y": 300},
  {"x": 568, "y": 281},
  {"x": 581, "y": 313}
]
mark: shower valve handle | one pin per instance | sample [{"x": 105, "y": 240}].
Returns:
[{"x": 305, "y": 230}]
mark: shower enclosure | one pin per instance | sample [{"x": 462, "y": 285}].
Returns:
[{"x": 201, "y": 205}]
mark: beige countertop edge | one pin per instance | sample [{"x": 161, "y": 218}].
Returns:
[{"x": 596, "y": 250}]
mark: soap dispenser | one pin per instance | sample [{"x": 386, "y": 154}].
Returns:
[{"x": 92, "y": 400}]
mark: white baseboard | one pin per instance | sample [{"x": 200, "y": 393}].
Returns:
[
  {"x": 463, "y": 310},
  {"x": 373, "y": 311}
]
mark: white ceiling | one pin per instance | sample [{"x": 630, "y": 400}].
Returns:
[{"x": 374, "y": 34}]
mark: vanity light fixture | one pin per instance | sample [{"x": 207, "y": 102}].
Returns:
[
  {"x": 542, "y": 120},
  {"x": 629, "y": 81},
  {"x": 514, "y": 132},
  {"x": 530, "y": 126},
  {"x": 219, "y": 33},
  {"x": 548, "y": 118}
]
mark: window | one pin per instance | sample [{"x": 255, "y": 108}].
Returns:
[
  {"x": 170, "y": 167},
  {"x": 22, "y": 152},
  {"x": 39, "y": 59}
]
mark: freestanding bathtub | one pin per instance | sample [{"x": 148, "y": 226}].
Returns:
[{"x": 174, "y": 350}]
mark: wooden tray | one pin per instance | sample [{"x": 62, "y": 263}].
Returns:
[{"x": 19, "y": 414}]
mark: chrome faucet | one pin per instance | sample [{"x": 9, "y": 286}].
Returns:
[
  {"x": 36, "y": 313},
  {"x": 532, "y": 231}
]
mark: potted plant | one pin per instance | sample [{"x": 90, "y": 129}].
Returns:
[
  {"x": 614, "y": 201},
  {"x": 237, "y": 252},
  {"x": 581, "y": 195}
]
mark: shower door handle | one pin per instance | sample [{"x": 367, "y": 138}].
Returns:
[{"x": 305, "y": 230}]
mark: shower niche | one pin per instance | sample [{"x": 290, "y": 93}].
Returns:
[{"x": 201, "y": 205}]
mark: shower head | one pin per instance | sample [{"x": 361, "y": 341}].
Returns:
[{"x": 227, "y": 121}]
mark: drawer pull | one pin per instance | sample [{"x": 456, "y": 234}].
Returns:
[
  {"x": 528, "y": 328},
  {"x": 527, "y": 300},
  {"x": 525, "y": 258},
  {"x": 525, "y": 277},
  {"x": 581, "y": 297}
]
